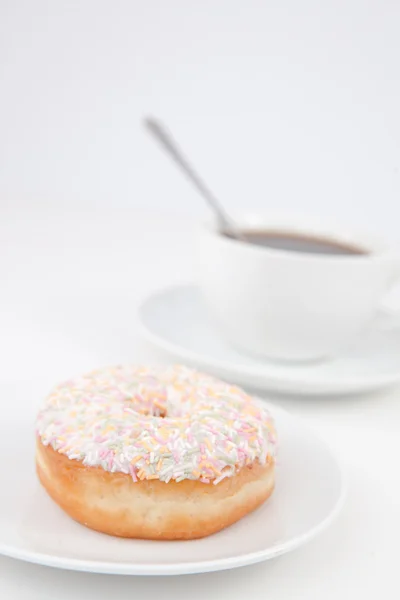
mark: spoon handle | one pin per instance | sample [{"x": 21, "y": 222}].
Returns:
[{"x": 166, "y": 141}]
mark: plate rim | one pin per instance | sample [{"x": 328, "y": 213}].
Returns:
[
  {"x": 196, "y": 567},
  {"x": 274, "y": 382}
]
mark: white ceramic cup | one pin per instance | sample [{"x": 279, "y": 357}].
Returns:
[{"x": 288, "y": 305}]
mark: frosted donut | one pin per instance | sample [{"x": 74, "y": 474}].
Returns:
[{"x": 166, "y": 453}]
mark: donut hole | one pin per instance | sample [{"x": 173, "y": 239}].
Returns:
[
  {"x": 147, "y": 411},
  {"x": 148, "y": 402},
  {"x": 161, "y": 413}
]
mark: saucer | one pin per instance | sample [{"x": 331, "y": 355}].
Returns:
[{"x": 177, "y": 321}]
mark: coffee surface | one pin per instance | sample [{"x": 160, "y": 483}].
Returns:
[{"x": 294, "y": 242}]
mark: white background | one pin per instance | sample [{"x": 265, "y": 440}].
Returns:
[{"x": 283, "y": 105}]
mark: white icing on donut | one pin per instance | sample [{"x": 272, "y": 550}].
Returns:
[{"x": 171, "y": 423}]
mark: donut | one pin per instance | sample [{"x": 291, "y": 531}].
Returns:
[{"x": 155, "y": 453}]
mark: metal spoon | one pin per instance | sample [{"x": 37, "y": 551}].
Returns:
[{"x": 225, "y": 222}]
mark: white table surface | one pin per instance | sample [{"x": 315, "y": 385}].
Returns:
[{"x": 70, "y": 288}]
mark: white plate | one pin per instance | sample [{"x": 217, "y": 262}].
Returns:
[
  {"x": 308, "y": 494},
  {"x": 176, "y": 320}
]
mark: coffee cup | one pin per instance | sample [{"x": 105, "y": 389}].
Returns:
[{"x": 294, "y": 289}]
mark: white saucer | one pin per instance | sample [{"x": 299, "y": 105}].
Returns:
[
  {"x": 309, "y": 493},
  {"x": 176, "y": 320}
]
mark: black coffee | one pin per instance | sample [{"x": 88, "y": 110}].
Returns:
[{"x": 293, "y": 242}]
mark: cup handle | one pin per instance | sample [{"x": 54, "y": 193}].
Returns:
[
  {"x": 388, "y": 319},
  {"x": 388, "y": 314}
]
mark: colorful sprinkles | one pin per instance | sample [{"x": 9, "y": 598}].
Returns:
[{"x": 167, "y": 424}]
